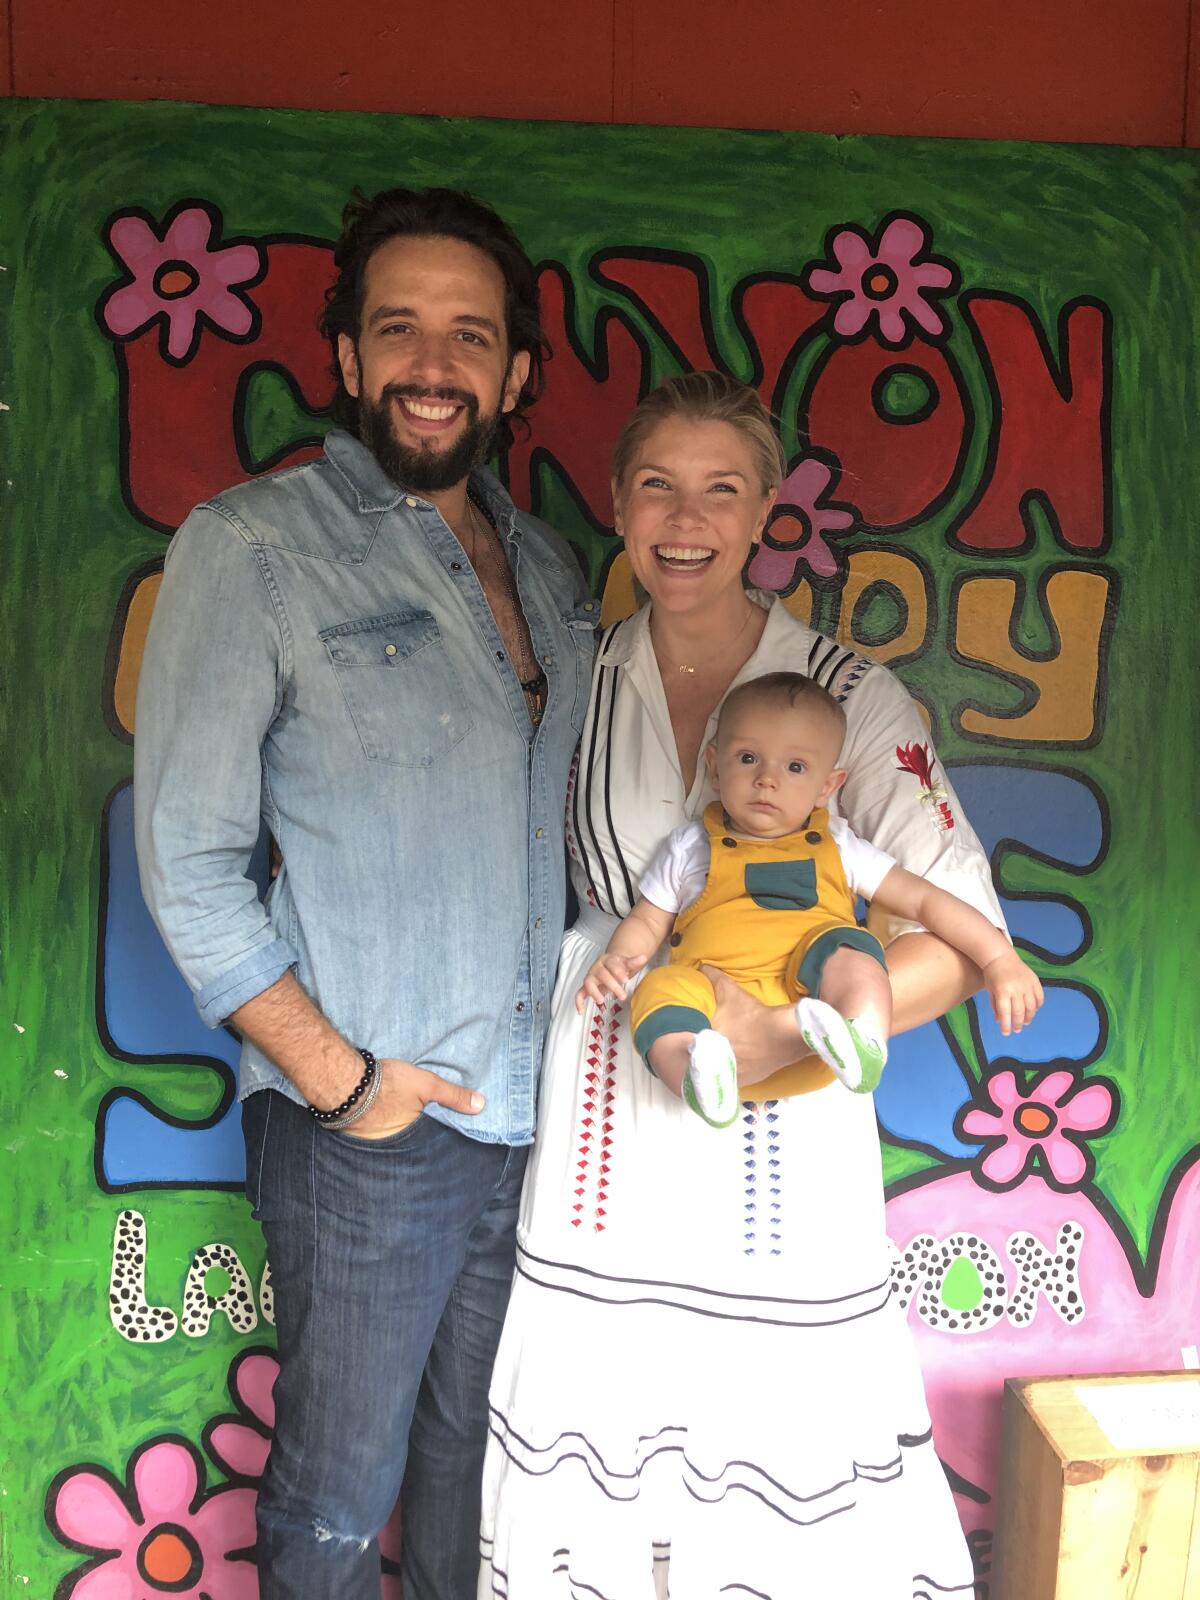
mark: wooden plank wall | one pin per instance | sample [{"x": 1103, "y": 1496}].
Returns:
[{"x": 1109, "y": 71}]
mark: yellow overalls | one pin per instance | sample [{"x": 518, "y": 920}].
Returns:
[{"x": 770, "y": 914}]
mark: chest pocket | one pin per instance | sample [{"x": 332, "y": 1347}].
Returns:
[
  {"x": 400, "y": 687},
  {"x": 782, "y": 885}
]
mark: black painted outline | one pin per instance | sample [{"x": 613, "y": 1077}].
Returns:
[
  {"x": 954, "y": 482},
  {"x": 264, "y": 243},
  {"x": 239, "y": 291},
  {"x": 598, "y": 367},
  {"x": 1035, "y": 1159},
  {"x": 800, "y": 344},
  {"x": 241, "y": 1415},
  {"x": 1058, "y": 366},
  {"x": 700, "y": 270},
  {"x": 875, "y": 543},
  {"x": 823, "y": 502},
  {"x": 112, "y": 654},
  {"x": 271, "y": 463},
  {"x": 125, "y": 1492},
  {"x": 1028, "y": 686},
  {"x": 1007, "y": 845},
  {"x": 224, "y": 1073},
  {"x": 906, "y": 419},
  {"x": 924, "y": 256}
]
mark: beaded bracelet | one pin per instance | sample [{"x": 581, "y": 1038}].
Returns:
[
  {"x": 361, "y": 1109},
  {"x": 355, "y": 1095}
]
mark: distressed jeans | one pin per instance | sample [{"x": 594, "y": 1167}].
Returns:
[{"x": 391, "y": 1262}]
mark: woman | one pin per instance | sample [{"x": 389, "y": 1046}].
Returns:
[{"x": 703, "y": 1380}]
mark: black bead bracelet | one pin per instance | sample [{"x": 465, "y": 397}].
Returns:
[{"x": 355, "y": 1095}]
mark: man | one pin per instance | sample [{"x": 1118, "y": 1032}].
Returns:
[{"x": 380, "y": 657}]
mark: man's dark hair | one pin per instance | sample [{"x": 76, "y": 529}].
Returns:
[{"x": 371, "y": 220}]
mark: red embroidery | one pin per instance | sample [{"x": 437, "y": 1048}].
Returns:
[{"x": 918, "y": 759}]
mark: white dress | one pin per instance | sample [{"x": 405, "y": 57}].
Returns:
[{"x": 704, "y": 1384}]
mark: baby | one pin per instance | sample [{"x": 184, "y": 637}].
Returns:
[{"x": 764, "y": 889}]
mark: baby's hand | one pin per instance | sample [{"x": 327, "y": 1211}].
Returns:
[
  {"x": 608, "y": 975},
  {"x": 1014, "y": 991}
]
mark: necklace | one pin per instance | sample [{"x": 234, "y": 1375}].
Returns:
[
  {"x": 522, "y": 658},
  {"x": 690, "y": 669}
]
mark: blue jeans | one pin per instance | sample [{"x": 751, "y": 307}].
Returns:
[{"x": 391, "y": 1262}]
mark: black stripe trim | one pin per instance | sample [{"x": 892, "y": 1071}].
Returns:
[
  {"x": 583, "y": 781},
  {"x": 800, "y": 1522},
  {"x": 608, "y": 811},
  {"x": 699, "y": 1288},
  {"x": 909, "y": 1441},
  {"x": 699, "y": 1311}
]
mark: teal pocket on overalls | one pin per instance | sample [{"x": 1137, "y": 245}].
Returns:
[{"x": 782, "y": 885}]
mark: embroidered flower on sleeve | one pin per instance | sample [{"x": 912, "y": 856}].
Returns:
[
  {"x": 157, "y": 1534},
  {"x": 1048, "y": 1123},
  {"x": 935, "y": 797},
  {"x": 181, "y": 277},
  {"x": 889, "y": 284},
  {"x": 796, "y": 542}
]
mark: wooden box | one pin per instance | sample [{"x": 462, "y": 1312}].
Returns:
[{"x": 1098, "y": 1489}]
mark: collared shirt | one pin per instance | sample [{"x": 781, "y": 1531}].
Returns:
[
  {"x": 896, "y": 794},
  {"x": 323, "y": 659}
]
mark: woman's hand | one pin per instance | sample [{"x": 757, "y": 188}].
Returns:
[
  {"x": 608, "y": 974},
  {"x": 764, "y": 1038},
  {"x": 1014, "y": 990}
]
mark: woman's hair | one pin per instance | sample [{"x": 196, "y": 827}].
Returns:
[
  {"x": 369, "y": 221},
  {"x": 705, "y": 397}
]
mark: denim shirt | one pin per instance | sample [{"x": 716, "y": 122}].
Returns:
[{"x": 323, "y": 658}]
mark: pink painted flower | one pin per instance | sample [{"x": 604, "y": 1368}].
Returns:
[
  {"x": 157, "y": 1534},
  {"x": 181, "y": 278},
  {"x": 1050, "y": 1121},
  {"x": 795, "y": 542},
  {"x": 892, "y": 281},
  {"x": 240, "y": 1444}
]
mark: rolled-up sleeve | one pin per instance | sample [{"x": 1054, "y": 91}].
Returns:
[
  {"x": 889, "y": 802},
  {"x": 212, "y": 680}
]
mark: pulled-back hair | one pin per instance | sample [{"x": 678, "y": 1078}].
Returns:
[
  {"x": 372, "y": 220},
  {"x": 705, "y": 397},
  {"x": 785, "y": 689}
]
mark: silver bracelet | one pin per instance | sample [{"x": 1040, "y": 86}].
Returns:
[{"x": 363, "y": 1106}]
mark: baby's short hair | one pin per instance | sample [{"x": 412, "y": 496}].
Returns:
[{"x": 785, "y": 689}]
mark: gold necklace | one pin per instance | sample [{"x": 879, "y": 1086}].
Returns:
[{"x": 684, "y": 667}]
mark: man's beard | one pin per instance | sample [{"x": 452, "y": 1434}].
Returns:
[{"x": 425, "y": 468}]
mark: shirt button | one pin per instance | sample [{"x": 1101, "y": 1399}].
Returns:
[
  {"x": 676, "y": 940},
  {"x": 520, "y": 1005},
  {"x": 389, "y": 649},
  {"x": 538, "y": 1007},
  {"x": 409, "y": 501},
  {"x": 812, "y": 838},
  {"x": 732, "y": 843},
  {"x": 537, "y": 922},
  {"x": 456, "y": 566},
  {"x": 538, "y": 832}
]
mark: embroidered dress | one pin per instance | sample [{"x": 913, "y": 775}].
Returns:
[{"x": 704, "y": 1383}]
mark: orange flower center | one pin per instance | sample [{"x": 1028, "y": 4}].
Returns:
[
  {"x": 170, "y": 1558},
  {"x": 879, "y": 282},
  {"x": 174, "y": 279},
  {"x": 1035, "y": 1120}
]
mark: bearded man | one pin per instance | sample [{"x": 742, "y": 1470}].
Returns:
[{"x": 383, "y": 661}]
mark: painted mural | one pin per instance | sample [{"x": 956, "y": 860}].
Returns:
[{"x": 982, "y": 358}]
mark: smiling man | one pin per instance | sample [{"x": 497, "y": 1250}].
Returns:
[{"x": 381, "y": 659}]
